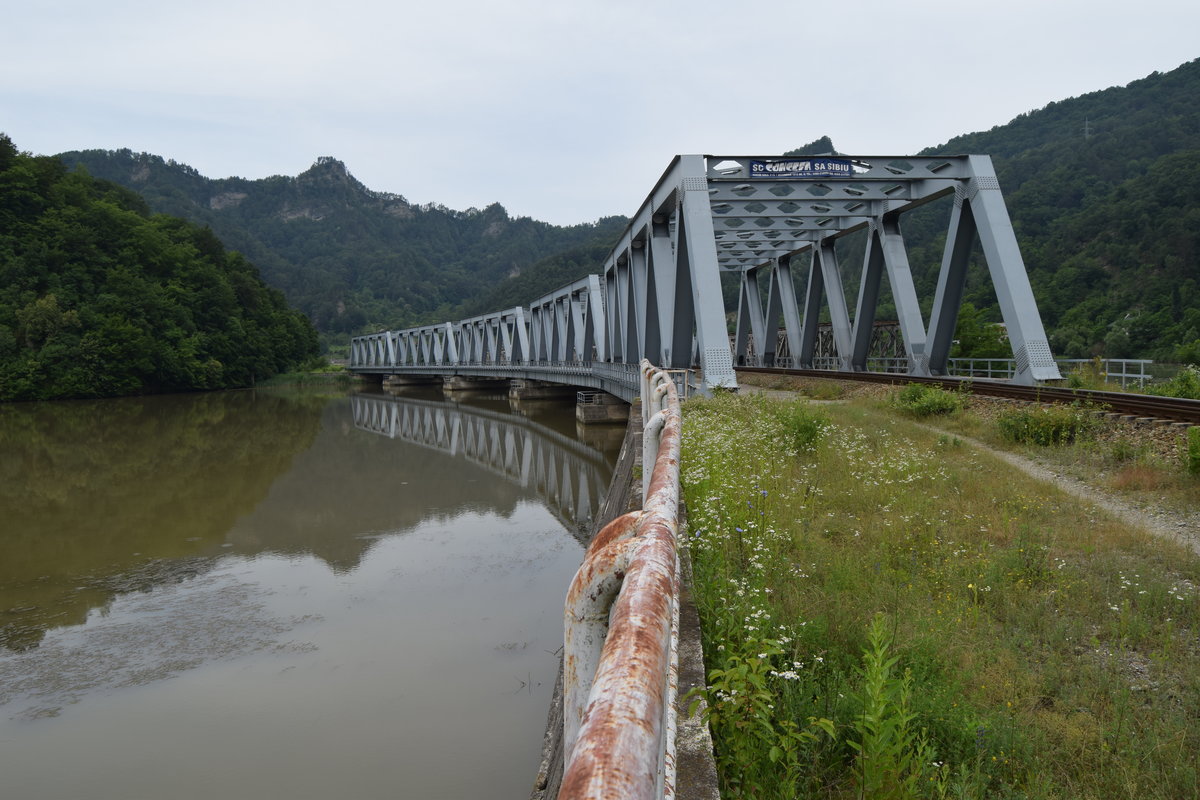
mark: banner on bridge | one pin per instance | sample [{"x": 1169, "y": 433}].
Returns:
[{"x": 802, "y": 168}]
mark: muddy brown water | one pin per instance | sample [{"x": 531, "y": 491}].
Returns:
[{"x": 247, "y": 595}]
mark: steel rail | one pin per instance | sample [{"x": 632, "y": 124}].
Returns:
[
  {"x": 1142, "y": 406},
  {"x": 620, "y": 662}
]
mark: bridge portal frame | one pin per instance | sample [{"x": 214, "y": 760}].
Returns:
[
  {"x": 768, "y": 210},
  {"x": 663, "y": 283}
]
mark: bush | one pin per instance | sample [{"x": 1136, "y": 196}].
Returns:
[
  {"x": 919, "y": 400},
  {"x": 1185, "y": 384},
  {"x": 1047, "y": 425},
  {"x": 802, "y": 425}
]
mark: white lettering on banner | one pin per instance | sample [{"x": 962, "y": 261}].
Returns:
[{"x": 801, "y": 169}]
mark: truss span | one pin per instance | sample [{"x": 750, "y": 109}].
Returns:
[{"x": 658, "y": 295}]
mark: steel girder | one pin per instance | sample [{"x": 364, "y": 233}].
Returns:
[
  {"x": 767, "y": 210},
  {"x": 663, "y": 281},
  {"x": 569, "y": 323}
]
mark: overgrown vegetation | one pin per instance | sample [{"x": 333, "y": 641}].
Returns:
[
  {"x": 1185, "y": 383},
  {"x": 889, "y": 613},
  {"x": 920, "y": 400},
  {"x": 1046, "y": 425},
  {"x": 99, "y": 298}
]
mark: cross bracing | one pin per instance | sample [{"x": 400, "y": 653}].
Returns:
[
  {"x": 658, "y": 295},
  {"x": 764, "y": 220}
]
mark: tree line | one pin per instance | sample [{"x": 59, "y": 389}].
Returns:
[{"x": 100, "y": 298}]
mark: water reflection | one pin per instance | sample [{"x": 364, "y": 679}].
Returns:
[
  {"x": 249, "y": 595},
  {"x": 101, "y": 497},
  {"x": 568, "y": 475}
]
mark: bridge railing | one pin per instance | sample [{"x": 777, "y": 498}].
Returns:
[{"x": 621, "y": 635}]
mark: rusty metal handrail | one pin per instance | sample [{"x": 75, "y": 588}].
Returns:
[{"x": 620, "y": 665}]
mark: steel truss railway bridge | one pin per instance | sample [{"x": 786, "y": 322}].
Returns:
[{"x": 659, "y": 294}]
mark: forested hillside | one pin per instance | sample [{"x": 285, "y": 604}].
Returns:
[
  {"x": 1104, "y": 193},
  {"x": 349, "y": 257},
  {"x": 99, "y": 298}
]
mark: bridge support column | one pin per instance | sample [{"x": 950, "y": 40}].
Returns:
[
  {"x": 593, "y": 408},
  {"x": 452, "y": 384},
  {"x": 395, "y": 381},
  {"x": 527, "y": 389}
]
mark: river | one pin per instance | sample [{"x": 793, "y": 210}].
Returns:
[{"x": 284, "y": 594}]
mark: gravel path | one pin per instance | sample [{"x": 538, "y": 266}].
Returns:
[{"x": 1182, "y": 527}]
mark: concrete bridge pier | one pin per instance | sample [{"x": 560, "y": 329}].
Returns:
[
  {"x": 595, "y": 407},
  {"x": 455, "y": 384},
  {"x": 528, "y": 389},
  {"x": 399, "y": 381}
]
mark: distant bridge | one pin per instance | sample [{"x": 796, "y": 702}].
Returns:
[{"x": 659, "y": 294}]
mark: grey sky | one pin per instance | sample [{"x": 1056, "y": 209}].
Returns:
[{"x": 563, "y": 111}]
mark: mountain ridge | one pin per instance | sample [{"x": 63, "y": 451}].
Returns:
[{"x": 354, "y": 259}]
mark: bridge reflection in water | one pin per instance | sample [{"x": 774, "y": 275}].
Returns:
[{"x": 569, "y": 476}]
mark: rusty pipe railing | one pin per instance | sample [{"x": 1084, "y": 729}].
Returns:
[{"x": 621, "y": 640}]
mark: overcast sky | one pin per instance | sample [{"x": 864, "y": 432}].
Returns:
[{"x": 563, "y": 110}]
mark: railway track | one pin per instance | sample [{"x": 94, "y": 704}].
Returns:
[{"x": 1137, "y": 406}]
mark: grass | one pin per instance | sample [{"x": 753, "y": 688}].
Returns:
[
  {"x": 319, "y": 374},
  {"x": 887, "y": 612},
  {"x": 1111, "y": 456}
]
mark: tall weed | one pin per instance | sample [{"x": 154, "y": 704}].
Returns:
[
  {"x": 891, "y": 755},
  {"x": 919, "y": 400},
  {"x": 1045, "y": 425}
]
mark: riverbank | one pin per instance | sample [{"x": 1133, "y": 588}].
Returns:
[
  {"x": 326, "y": 377},
  {"x": 889, "y": 608}
]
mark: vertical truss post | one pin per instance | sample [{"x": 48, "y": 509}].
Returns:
[
  {"x": 781, "y": 301},
  {"x": 697, "y": 252},
  {"x": 826, "y": 254},
  {"x": 595, "y": 337},
  {"x": 904, "y": 293},
  {"x": 682, "y": 338},
  {"x": 812, "y": 312},
  {"x": 638, "y": 274},
  {"x": 868, "y": 300}
]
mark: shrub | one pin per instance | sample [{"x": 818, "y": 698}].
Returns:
[
  {"x": 802, "y": 425},
  {"x": 1047, "y": 425},
  {"x": 919, "y": 400},
  {"x": 1186, "y": 384}
]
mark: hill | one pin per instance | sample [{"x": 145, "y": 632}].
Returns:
[
  {"x": 349, "y": 257},
  {"x": 99, "y": 298},
  {"x": 1104, "y": 194}
]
